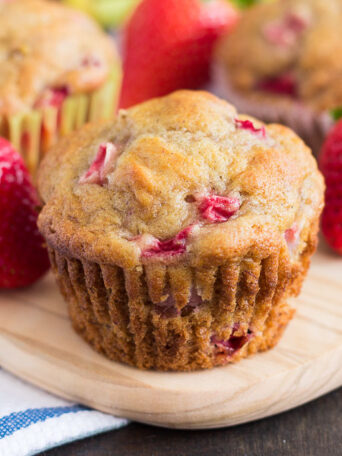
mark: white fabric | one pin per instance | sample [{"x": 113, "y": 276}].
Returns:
[{"x": 32, "y": 420}]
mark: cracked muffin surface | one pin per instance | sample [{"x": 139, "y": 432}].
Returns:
[
  {"x": 171, "y": 155},
  {"x": 180, "y": 229},
  {"x": 43, "y": 46}
]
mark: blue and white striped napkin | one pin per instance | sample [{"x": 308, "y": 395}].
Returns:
[{"x": 32, "y": 421}]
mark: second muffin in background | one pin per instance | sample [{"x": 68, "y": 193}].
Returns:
[
  {"x": 178, "y": 232},
  {"x": 281, "y": 64},
  {"x": 58, "y": 71}
]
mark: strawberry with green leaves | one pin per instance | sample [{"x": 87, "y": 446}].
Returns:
[{"x": 168, "y": 45}]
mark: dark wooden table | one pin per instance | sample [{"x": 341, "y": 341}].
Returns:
[{"x": 314, "y": 429}]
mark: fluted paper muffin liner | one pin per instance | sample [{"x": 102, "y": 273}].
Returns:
[
  {"x": 33, "y": 133},
  {"x": 310, "y": 125},
  {"x": 176, "y": 317}
]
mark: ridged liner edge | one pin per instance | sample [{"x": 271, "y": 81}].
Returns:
[{"x": 115, "y": 309}]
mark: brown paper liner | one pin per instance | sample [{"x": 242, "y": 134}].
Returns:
[
  {"x": 311, "y": 126},
  {"x": 174, "y": 317}
]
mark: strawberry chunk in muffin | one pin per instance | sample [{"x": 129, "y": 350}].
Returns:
[
  {"x": 283, "y": 84},
  {"x": 230, "y": 346},
  {"x": 286, "y": 31},
  {"x": 218, "y": 209},
  {"x": 248, "y": 125},
  {"x": 169, "y": 247},
  {"x": 53, "y": 98},
  {"x": 103, "y": 164}
]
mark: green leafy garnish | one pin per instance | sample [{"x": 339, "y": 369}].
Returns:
[
  {"x": 336, "y": 113},
  {"x": 245, "y": 3}
]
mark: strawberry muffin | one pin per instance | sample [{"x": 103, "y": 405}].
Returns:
[
  {"x": 58, "y": 70},
  {"x": 281, "y": 64},
  {"x": 178, "y": 232}
]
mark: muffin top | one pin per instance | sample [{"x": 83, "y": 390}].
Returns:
[
  {"x": 178, "y": 178},
  {"x": 44, "y": 46},
  {"x": 288, "y": 47}
]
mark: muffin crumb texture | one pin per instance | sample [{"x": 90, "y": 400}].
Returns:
[
  {"x": 178, "y": 232},
  {"x": 47, "y": 52},
  {"x": 288, "y": 48}
]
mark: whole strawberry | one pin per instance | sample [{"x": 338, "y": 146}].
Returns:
[
  {"x": 168, "y": 45},
  {"x": 23, "y": 258},
  {"x": 331, "y": 166}
]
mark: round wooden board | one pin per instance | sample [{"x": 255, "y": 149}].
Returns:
[{"x": 38, "y": 344}]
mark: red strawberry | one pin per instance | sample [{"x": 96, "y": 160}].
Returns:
[
  {"x": 23, "y": 259},
  {"x": 331, "y": 166},
  {"x": 168, "y": 45}
]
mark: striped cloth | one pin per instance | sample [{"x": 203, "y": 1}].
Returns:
[{"x": 32, "y": 421}]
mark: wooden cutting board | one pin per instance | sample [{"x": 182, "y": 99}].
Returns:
[{"x": 38, "y": 344}]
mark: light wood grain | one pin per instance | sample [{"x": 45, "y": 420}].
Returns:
[{"x": 38, "y": 344}]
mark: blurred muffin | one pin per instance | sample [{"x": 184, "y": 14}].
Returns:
[
  {"x": 178, "y": 232},
  {"x": 58, "y": 70},
  {"x": 281, "y": 63}
]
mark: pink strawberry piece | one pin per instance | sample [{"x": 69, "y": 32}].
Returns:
[
  {"x": 90, "y": 61},
  {"x": 286, "y": 31},
  {"x": 103, "y": 164},
  {"x": 232, "y": 345},
  {"x": 23, "y": 257},
  {"x": 248, "y": 125},
  {"x": 284, "y": 84},
  {"x": 195, "y": 301},
  {"x": 296, "y": 22},
  {"x": 167, "y": 309},
  {"x": 292, "y": 234},
  {"x": 218, "y": 209},
  {"x": 53, "y": 98},
  {"x": 170, "y": 247}
]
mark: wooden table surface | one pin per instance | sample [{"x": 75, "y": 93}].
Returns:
[{"x": 314, "y": 429}]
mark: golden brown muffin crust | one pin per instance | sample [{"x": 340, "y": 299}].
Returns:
[
  {"x": 152, "y": 275},
  {"x": 260, "y": 47},
  {"x": 45, "y": 45},
  {"x": 171, "y": 150}
]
